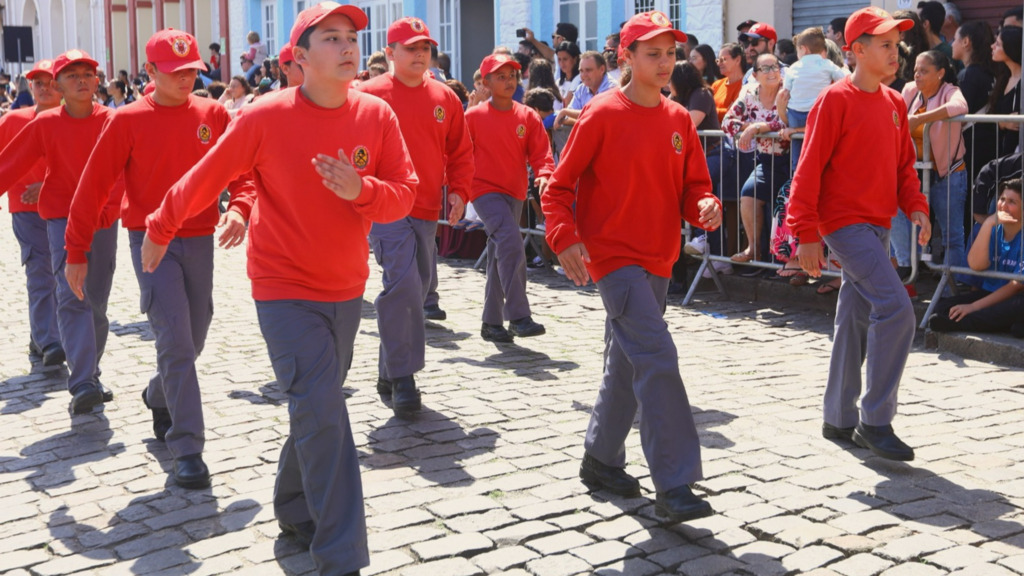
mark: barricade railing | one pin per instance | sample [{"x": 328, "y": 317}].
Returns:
[{"x": 927, "y": 167}]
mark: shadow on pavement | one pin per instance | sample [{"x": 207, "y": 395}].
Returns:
[
  {"x": 704, "y": 419},
  {"x": 522, "y": 361},
  {"x": 140, "y": 329},
  {"x": 28, "y": 392}
]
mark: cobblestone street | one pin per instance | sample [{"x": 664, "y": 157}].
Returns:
[{"x": 484, "y": 480}]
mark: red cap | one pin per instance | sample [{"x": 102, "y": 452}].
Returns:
[
  {"x": 70, "y": 57},
  {"x": 645, "y": 26},
  {"x": 41, "y": 67},
  {"x": 494, "y": 61},
  {"x": 312, "y": 16},
  {"x": 760, "y": 30},
  {"x": 286, "y": 55},
  {"x": 172, "y": 50},
  {"x": 408, "y": 30},
  {"x": 874, "y": 21}
]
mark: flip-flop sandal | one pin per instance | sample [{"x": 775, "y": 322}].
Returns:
[
  {"x": 826, "y": 289},
  {"x": 791, "y": 272},
  {"x": 799, "y": 279},
  {"x": 742, "y": 257}
]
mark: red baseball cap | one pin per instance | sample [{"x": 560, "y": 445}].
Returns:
[
  {"x": 494, "y": 61},
  {"x": 408, "y": 30},
  {"x": 312, "y": 16},
  {"x": 874, "y": 21},
  {"x": 645, "y": 26},
  {"x": 286, "y": 55},
  {"x": 41, "y": 67},
  {"x": 73, "y": 56},
  {"x": 760, "y": 30},
  {"x": 172, "y": 50}
]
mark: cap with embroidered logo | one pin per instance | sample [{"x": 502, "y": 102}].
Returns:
[
  {"x": 41, "y": 67},
  {"x": 874, "y": 21},
  {"x": 409, "y": 30},
  {"x": 313, "y": 15},
  {"x": 172, "y": 50},
  {"x": 73, "y": 56},
  {"x": 494, "y": 61},
  {"x": 645, "y": 26}
]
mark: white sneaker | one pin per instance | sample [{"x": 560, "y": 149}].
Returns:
[
  {"x": 720, "y": 267},
  {"x": 695, "y": 247}
]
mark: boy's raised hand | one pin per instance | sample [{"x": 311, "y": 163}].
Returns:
[
  {"x": 338, "y": 175},
  {"x": 574, "y": 260}
]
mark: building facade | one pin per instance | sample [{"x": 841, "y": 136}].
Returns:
[{"x": 115, "y": 31}]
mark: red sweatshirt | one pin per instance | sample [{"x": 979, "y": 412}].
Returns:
[
  {"x": 639, "y": 172},
  {"x": 64, "y": 144},
  {"x": 503, "y": 142},
  {"x": 305, "y": 242},
  {"x": 434, "y": 128},
  {"x": 856, "y": 165},
  {"x": 153, "y": 146},
  {"x": 10, "y": 124}
]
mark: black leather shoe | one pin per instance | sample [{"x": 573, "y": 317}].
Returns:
[
  {"x": 681, "y": 504},
  {"x": 434, "y": 312},
  {"x": 161, "y": 419},
  {"x": 86, "y": 397},
  {"x": 882, "y": 441},
  {"x": 108, "y": 395},
  {"x": 835, "y": 433},
  {"x": 495, "y": 333},
  {"x": 597, "y": 476},
  {"x": 525, "y": 327},
  {"x": 405, "y": 399},
  {"x": 191, "y": 472},
  {"x": 301, "y": 533},
  {"x": 384, "y": 387},
  {"x": 53, "y": 355},
  {"x": 35, "y": 353}
]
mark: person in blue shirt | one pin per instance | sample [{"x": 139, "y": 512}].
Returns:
[
  {"x": 594, "y": 79},
  {"x": 999, "y": 305}
]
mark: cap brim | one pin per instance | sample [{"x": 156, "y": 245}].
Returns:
[
  {"x": 88, "y": 61},
  {"x": 172, "y": 67},
  {"x": 679, "y": 35},
  {"x": 902, "y": 24},
  {"x": 357, "y": 16},
  {"x": 33, "y": 73},
  {"x": 415, "y": 39}
]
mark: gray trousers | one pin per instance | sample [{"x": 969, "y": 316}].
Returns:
[
  {"x": 874, "y": 321},
  {"x": 641, "y": 371},
  {"x": 177, "y": 298},
  {"x": 505, "y": 289},
  {"x": 310, "y": 346},
  {"x": 407, "y": 254},
  {"x": 83, "y": 324},
  {"x": 30, "y": 230}
]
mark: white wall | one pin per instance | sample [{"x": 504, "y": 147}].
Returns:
[
  {"x": 704, "y": 18},
  {"x": 513, "y": 14}
]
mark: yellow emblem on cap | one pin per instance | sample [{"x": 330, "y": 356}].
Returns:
[
  {"x": 45, "y": 65},
  {"x": 677, "y": 142},
  {"x": 360, "y": 157},
  {"x": 521, "y": 131},
  {"x": 439, "y": 114},
  {"x": 74, "y": 54},
  {"x": 181, "y": 46},
  {"x": 659, "y": 19},
  {"x": 205, "y": 133},
  {"x": 416, "y": 24}
]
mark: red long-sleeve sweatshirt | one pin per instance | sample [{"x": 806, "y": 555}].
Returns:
[
  {"x": 153, "y": 146},
  {"x": 503, "y": 142},
  {"x": 10, "y": 124},
  {"x": 305, "y": 242},
  {"x": 64, "y": 144},
  {"x": 856, "y": 165},
  {"x": 434, "y": 128},
  {"x": 633, "y": 173}
]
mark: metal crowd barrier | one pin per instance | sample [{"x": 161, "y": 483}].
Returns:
[{"x": 926, "y": 166}]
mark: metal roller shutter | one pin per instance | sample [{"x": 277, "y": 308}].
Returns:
[
  {"x": 990, "y": 11},
  {"x": 807, "y": 13}
]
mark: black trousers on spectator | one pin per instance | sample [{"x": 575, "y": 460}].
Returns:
[{"x": 996, "y": 318}]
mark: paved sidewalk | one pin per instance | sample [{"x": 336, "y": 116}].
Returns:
[{"x": 484, "y": 481}]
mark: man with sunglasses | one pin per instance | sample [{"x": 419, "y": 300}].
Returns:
[
  {"x": 564, "y": 32},
  {"x": 759, "y": 39}
]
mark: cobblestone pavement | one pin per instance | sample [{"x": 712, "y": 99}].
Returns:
[{"x": 484, "y": 481}]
